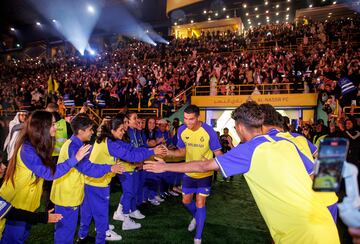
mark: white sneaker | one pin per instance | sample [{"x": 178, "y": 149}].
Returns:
[
  {"x": 112, "y": 236},
  {"x": 111, "y": 227},
  {"x": 192, "y": 226},
  {"x": 159, "y": 199},
  {"x": 197, "y": 241},
  {"x": 130, "y": 224},
  {"x": 154, "y": 202},
  {"x": 137, "y": 215},
  {"x": 172, "y": 193},
  {"x": 118, "y": 216}
]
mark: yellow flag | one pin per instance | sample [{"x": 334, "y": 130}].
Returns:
[
  {"x": 50, "y": 85},
  {"x": 56, "y": 85}
]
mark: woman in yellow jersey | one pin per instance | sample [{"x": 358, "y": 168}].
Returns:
[
  {"x": 30, "y": 165},
  {"x": 108, "y": 149}
]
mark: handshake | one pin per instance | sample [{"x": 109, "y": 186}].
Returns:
[{"x": 161, "y": 151}]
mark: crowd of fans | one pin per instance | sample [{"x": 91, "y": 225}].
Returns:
[{"x": 136, "y": 73}]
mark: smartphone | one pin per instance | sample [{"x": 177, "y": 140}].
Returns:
[{"x": 329, "y": 164}]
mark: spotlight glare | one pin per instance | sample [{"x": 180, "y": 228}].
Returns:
[
  {"x": 277, "y": 13},
  {"x": 256, "y": 9},
  {"x": 277, "y": 6},
  {"x": 287, "y": 9},
  {"x": 257, "y": 16},
  {"x": 12, "y": 29},
  {"x": 192, "y": 21},
  {"x": 17, "y": 45},
  {"x": 334, "y": 2},
  {"x": 224, "y": 9},
  {"x": 247, "y": 14},
  {"x": 54, "y": 20},
  {"x": 267, "y": 11},
  {"x": 216, "y": 14},
  {"x": 90, "y": 9},
  {"x": 227, "y": 16},
  {"x": 209, "y": 18},
  {"x": 277, "y": 22},
  {"x": 244, "y": 5},
  {"x": 175, "y": 23},
  {"x": 310, "y": 6},
  {"x": 266, "y": 2},
  {"x": 38, "y": 23},
  {"x": 204, "y": 12}
]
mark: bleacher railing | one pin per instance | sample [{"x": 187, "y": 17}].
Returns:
[
  {"x": 248, "y": 89},
  {"x": 352, "y": 110}
]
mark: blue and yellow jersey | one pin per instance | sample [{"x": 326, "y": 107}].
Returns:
[
  {"x": 308, "y": 149},
  {"x": 26, "y": 192},
  {"x": 68, "y": 190},
  {"x": 282, "y": 189},
  {"x": 199, "y": 145},
  {"x": 109, "y": 152}
]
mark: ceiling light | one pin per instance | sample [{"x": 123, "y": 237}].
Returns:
[
  {"x": 216, "y": 14},
  {"x": 224, "y": 9},
  {"x": 310, "y": 6},
  {"x": 209, "y": 18},
  {"x": 227, "y": 16},
  {"x": 12, "y": 29},
  {"x": 257, "y": 16},
  {"x": 267, "y": 11},
  {"x": 204, "y": 12},
  {"x": 247, "y": 14},
  {"x": 266, "y": 2},
  {"x": 334, "y": 2},
  {"x": 244, "y": 5},
  {"x": 287, "y": 9},
  {"x": 192, "y": 21},
  {"x": 277, "y": 13},
  {"x": 277, "y": 5},
  {"x": 277, "y": 22},
  {"x": 256, "y": 9}
]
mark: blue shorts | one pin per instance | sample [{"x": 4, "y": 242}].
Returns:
[{"x": 200, "y": 186}]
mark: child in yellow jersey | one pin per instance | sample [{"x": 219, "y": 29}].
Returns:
[
  {"x": 30, "y": 165},
  {"x": 67, "y": 192},
  {"x": 108, "y": 149}
]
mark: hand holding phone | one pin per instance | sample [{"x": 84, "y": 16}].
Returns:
[{"x": 329, "y": 164}]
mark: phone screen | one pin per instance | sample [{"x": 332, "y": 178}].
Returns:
[{"x": 328, "y": 168}]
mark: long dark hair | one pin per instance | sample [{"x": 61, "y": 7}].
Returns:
[
  {"x": 37, "y": 132},
  {"x": 108, "y": 126},
  {"x": 147, "y": 131}
]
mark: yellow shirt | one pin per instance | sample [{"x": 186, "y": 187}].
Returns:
[
  {"x": 282, "y": 190},
  {"x": 199, "y": 145}
]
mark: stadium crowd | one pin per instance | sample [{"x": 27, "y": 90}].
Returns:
[
  {"x": 136, "y": 73},
  {"x": 262, "y": 61}
]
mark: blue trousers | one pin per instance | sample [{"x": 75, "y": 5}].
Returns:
[
  {"x": 95, "y": 205},
  {"x": 152, "y": 185},
  {"x": 15, "y": 232},
  {"x": 129, "y": 182},
  {"x": 65, "y": 228},
  {"x": 142, "y": 191}
]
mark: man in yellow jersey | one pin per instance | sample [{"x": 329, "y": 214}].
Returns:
[
  {"x": 272, "y": 126},
  {"x": 196, "y": 141},
  {"x": 276, "y": 177}
]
